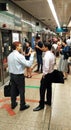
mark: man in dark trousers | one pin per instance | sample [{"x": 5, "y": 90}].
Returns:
[
  {"x": 38, "y": 48},
  {"x": 46, "y": 81},
  {"x": 16, "y": 65}
]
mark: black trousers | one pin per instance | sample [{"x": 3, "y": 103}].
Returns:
[
  {"x": 39, "y": 62},
  {"x": 17, "y": 82},
  {"x": 46, "y": 84}
]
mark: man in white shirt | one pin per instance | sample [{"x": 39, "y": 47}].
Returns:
[
  {"x": 68, "y": 41},
  {"x": 46, "y": 81},
  {"x": 16, "y": 66}
]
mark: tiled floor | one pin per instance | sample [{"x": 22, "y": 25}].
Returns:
[{"x": 56, "y": 117}]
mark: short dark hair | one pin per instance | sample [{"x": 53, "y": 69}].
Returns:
[
  {"x": 48, "y": 45},
  {"x": 38, "y": 37}
]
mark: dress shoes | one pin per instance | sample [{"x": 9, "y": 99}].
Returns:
[
  {"x": 47, "y": 103},
  {"x": 13, "y": 106},
  {"x": 38, "y": 108},
  {"x": 26, "y": 106}
]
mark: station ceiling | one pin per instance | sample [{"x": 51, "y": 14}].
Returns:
[{"x": 41, "y": 10}]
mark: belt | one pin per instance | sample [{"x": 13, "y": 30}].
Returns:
[{"x": 17, "y": 74}]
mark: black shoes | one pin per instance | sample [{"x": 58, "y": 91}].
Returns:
[
  {"x": 13, "y": 106},
  {"x": 21, "y": 108},
  {"x": 47, "y": 103},
  {"x": 38, "y": 108},
  {"x": 26, "y": 106}
]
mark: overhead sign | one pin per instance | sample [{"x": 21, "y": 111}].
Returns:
[{"x": 62, "y": 29}]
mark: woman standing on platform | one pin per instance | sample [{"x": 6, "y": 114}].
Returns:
[
  {"x": 63, "y": 64},
  {"x": 28, "y": 51}
]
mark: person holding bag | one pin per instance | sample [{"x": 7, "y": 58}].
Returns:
[{"x": 16, "y": 66}]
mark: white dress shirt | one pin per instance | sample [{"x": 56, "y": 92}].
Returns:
[
  {"x": 48, "y": 62},
  {"x": 68, "y": 41},
  {"x": 17, "y": 62}
]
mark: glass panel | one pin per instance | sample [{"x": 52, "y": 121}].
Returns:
[
  {"x": 1, "y": 77},
  {"x": 6, "y": 49}
]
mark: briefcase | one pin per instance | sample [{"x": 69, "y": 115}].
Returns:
[{"x": 7, "y": 90}]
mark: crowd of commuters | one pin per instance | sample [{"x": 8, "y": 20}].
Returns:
[{"x": 20, "y": 58}]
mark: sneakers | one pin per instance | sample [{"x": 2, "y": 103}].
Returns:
[{"x": 26, "y": 106}]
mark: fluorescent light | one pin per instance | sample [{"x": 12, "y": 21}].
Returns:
[
  {"x": 28, "y": 23},
  {"x": 69, "y": 25},
  {"x": 53, "y": 12}
]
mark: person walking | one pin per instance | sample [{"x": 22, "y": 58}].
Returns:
[
  {"x": 46, "y": 80},
  {"x": 16, "y": 66}
]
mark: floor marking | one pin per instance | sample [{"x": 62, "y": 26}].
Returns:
[
  {"x": 4, "y": 99},
  {"x": 8, "y": 109},
  {"x": 29, "y": 100},
  {"x": 33, "y": 74},
  {"x": 32, "y": 87}
]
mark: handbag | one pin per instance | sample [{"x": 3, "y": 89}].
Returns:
[
  {"x": 7, "y": 90},
  {"x": 58, "y": 76}
]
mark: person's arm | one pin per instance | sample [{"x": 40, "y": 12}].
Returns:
[
  {"x": 25, "y": 62},
  {"x": 39, "y": 48}
]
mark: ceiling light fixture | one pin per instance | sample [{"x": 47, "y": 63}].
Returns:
[
  {"x": 51, "y": 5},
  {"x": 69, "y": 24}
]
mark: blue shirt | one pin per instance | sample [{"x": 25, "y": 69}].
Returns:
[{"x": 17, "y": 62}]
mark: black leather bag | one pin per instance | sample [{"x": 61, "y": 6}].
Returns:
[
  {"x": 7, "y": 90},
  {"x": 58, "y": 77}
]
